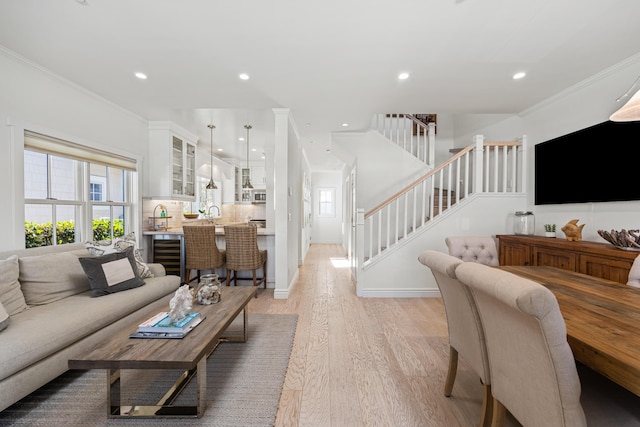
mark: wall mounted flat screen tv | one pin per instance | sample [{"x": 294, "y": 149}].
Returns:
[{"x": 598, "y": 164}]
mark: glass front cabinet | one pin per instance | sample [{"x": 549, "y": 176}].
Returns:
[{"x": 172, "y": 162}]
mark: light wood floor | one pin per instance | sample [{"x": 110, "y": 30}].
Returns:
[
  {"x": 382, "y": 361},
  {"x": 366, "y": 361}
]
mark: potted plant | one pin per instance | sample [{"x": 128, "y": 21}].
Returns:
[{"x": 550, "y": 230}]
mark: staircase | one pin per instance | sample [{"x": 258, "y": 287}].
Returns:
[
  {"x": 448, "y": 198},
  {"x": 409, "y": 133},
  {"x": 481, "y": 168}
]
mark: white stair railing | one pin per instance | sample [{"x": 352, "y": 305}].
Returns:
[
  {"x": 408, "y": 133},
  {"x": 491, "y": 167}
]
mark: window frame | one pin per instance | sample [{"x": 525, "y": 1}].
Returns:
[
  {"x": 83, "y": 221},
  {"x": 331, "y": 204}
]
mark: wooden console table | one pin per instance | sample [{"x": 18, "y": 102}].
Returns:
[{"x": 596, "y": 259}]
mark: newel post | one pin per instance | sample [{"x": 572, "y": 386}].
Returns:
[
  {"x": 360, "y": 250},
  {"x": 478, "y": 142},
  {"x": 432, "y": 144}
]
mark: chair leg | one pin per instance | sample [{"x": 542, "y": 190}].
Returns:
[
  {"x": 264, "y": 274},
  {"x": 498, "y": 415},
  {"x": 453, "y": 370},
  {"x": 487, "y": 406},
  {"x": 254, "y": 280}
]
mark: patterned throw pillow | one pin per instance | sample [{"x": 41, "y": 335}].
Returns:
[{"x": 119, "y": 244}]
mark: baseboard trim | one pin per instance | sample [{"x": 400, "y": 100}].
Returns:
[
  {"x": 284, "y": 293},
  {"x": 398, "y": 293}
]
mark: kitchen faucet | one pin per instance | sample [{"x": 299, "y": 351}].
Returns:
[
  {"x": 209, "y": 212},
  {"x": 163, "y": 215}
]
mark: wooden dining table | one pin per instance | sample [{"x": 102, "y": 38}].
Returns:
[{"x": 602, "y": 319}]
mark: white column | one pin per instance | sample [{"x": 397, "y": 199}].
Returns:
[{"x": 280, "y": 201}]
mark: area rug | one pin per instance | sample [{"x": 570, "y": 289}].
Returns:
[{"x": 244, "y": 384}]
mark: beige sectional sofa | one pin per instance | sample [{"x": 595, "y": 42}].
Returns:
[{"x": 61, "y": 318}]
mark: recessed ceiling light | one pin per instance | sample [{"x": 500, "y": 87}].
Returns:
[
  {"x": 253, "y": 149},
  {"x": 241, "y": 138},
  {"x": 243, "y": 76},
  {"x": 141, "y": 76},
  {"x": 403, "y": 76},
  {"x": 344, "y": 125},
  {"x": 220, "y": 149},
  {"x": 519, "y": 75}
]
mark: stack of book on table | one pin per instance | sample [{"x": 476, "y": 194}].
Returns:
[{"x": 160, "y": 326}]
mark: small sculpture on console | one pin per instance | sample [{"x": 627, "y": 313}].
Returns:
[
  {"x": 181, "y": 303},
  {"x": 573, "y": 231}
]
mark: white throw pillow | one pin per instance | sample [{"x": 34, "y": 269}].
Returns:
[{"x": 119, "y": 244}]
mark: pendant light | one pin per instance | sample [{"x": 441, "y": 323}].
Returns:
[
  {"x": 247, "y": 182},
  {"x": 211, "y": 185}
]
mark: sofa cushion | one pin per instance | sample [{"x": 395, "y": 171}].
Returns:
[
  {"x": 48, "y": 278},
  {"x": 11, "y": 295},
  {"x": 112, "y": 272},
  {"x": 119, "y": 244},
  {"x": 4, "y": 318}
]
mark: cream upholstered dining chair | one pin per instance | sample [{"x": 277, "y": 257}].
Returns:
[
  {"x": 533, "y": 371},
  {"x": 466, "y": 337},
  {"x": 243, "y": 254},
  {"x": 201, "y": 251},
  {"x": 634, "y": 273},
  {"x": 480, "y": 249}
]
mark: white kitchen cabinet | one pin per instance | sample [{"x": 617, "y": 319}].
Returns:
[
  {"x": 172, "y": 162},
  {"x": 258, "y": 178}
]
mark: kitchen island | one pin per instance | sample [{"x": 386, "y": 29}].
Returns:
[{"x": 167, "y": 248}]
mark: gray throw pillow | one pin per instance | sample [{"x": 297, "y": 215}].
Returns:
[
  {"x": 4, "y": 318},
  {"x": 119, "y": 244},
  {"x": 112, "y": 273}
]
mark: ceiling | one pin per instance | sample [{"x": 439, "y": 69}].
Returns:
[{"x": 329, "y": 62}]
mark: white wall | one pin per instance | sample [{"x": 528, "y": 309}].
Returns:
[
  {"x": 494, "y": 127},
  {"x": 42, "y": 102},
  {"x": 581, "y": 106},
  {"x": 400, "y": 274},
  {"x": 325, "y": 229},
  {"x": 383, "y": 167},
  {"x": 576, "y": 109}
]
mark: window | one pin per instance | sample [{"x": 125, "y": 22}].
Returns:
[
  {"x": 86, "y": 193},
  {"x": 326, "y": 202},
  {"x": 95, "y": 191}
]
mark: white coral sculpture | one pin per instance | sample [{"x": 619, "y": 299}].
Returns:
[{"x": 181, "y": 303}]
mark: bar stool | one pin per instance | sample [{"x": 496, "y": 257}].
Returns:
[
  {"x": 201, "y": 251},
  {"x": 243, "y": 254}
]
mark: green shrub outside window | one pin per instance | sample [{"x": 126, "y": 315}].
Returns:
[{"x": 42, "y": 234}]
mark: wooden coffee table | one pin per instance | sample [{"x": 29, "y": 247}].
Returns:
[{"x": 189, "y": 354}]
